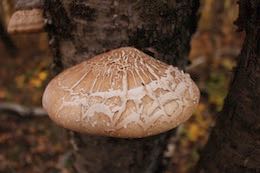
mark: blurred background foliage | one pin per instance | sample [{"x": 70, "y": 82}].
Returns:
[{"x": 36, "y": 145}]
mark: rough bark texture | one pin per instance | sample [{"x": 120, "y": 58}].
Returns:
[
  {"x": 80, "y": 29},
  {"x": 28, "y": 4},
  {"x": 234, "y": 144}
]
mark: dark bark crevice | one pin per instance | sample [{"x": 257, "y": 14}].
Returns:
[{"x": 6, "y": 39}]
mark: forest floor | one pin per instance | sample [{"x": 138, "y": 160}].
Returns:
[{"x": 36, "y": 145}]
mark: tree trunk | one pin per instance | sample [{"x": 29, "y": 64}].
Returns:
[
  {"x": 80, "y": 29},
  {"x": 234, "y": 144}
]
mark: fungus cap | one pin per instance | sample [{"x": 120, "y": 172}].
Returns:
[
  {"x": 26, "y": 21},
  {"x": 122, "y": 93}
]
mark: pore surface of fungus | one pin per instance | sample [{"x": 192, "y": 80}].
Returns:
[
  {"x": 122, "y": 93},
  {"x": 26, "y": 21}
]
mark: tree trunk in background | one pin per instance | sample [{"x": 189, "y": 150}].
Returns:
[
  {"x": 234, "y": 144},
  {"x": 80, "y": 29}
]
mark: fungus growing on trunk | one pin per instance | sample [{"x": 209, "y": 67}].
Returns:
[
  {"x": 26, "y": 21},
  {"x": 122, "y": 93},
  {"x": 28, "y": 17}
]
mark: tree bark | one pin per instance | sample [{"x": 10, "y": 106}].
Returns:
[
  {"x": 234, "y": 144},
  {"x": 80, "y": 29}
]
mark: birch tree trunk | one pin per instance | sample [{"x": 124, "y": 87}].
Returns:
[
  {"x": 234, "y": 144},
  {"x": 80, "y": 29}
]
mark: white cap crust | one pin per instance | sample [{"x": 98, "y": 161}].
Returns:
[
  {"x": 122, "y": 93},
  {"x": 26, "y": 21}
]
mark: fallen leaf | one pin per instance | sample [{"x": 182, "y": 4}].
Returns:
[
  {"x": 194, "y": 132},
  {"x": 228, "y": 63},
  {"x": 43, "y": 75},
  {"x": 36, "y": 82}
]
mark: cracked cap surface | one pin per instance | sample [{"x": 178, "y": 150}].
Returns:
[{"x": 122, "y": 93}]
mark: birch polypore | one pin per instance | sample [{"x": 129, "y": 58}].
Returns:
[
  {"x": 122, "y": 93},
  {"x": 26, "y": 21}
]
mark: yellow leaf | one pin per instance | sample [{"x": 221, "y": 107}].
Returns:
[
  {"x": 228, "y": 63},
  {"x": 42, "y": 75},
  {"x": 36, "y": 82},
  {"x": 201, "y": 107},
  {"x": 218, "y": 100},
  {"x": 194, "y": 132}
]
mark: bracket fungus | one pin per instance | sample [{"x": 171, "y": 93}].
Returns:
[
  {"x": 26, "y": 21},
  {"x": 122, "y": 93}
]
